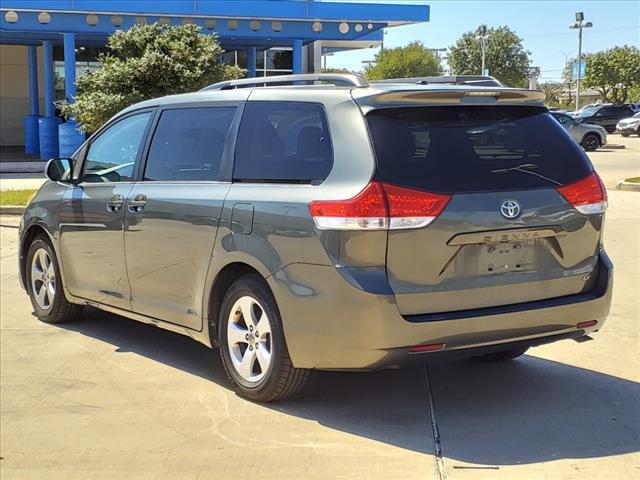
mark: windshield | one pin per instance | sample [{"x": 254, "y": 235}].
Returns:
[
  {"x": 588, "y": 111},
  {"x": 479, "y": 148}
]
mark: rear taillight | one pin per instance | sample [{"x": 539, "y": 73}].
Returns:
[
  {"x": 379, "y": 206},
  {"x": 588, "y": 195}
]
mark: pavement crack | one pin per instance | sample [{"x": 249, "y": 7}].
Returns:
[{"x": 442, "y": 474}]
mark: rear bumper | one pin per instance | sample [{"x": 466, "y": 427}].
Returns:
[{"x": 331, "y": 324}]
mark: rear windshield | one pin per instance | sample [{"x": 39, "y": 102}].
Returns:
[{"x": 469, "y": 149}]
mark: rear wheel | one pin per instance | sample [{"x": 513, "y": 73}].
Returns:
[
  {"x": 252, "y": 344},
  {"x": 44, "y": 285},
  {"x": 504, "y": 355},
  {"x": 590, "y": 142}
]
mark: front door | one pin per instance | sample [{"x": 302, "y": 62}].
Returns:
[
  {"x": 92, "y": 214},
  {"x": 172, "y": 214}
]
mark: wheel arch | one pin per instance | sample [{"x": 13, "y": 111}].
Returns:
[
  {"x": 30, "y": 234},
  {"x": 223, "y": 280}
]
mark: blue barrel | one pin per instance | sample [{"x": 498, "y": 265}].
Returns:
[
  {"x": 31, "y": 135},
  {"x": 48, "y": 130},
  {"x": 69, "y": 137}
]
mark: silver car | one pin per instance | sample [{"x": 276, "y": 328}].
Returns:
[
  {"x": 591, "y": 137},
  {"x": 628, "y": 126},
  {"x": 334, "y": 226}
]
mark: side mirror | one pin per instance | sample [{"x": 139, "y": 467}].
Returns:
[{"x": 60, "y": 170}]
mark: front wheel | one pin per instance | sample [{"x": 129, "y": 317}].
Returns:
[
  {"x": 44, "y": 285},
  {"x": 590, "y": 142},
  {"x": 625, "y": 134},
  {"x": 252, "y": 344}
]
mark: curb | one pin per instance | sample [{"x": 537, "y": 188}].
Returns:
[
  {"x": 11, "y": 209},
  {"x": 22, "y": 167},
  {"x": 629, "y": 186}
]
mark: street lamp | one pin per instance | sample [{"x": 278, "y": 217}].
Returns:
[
  {"x": 483, "y": 37},
  {"x": 579, "y": 24}
]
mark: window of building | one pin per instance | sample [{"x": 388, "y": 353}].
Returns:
[
  {"x": 274, "y": 61},
  {"x": 112, "y": 156},
  {"x": 283, "y": 142},
  {"x": 188, "y": 144}
]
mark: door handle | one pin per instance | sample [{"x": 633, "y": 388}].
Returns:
[
  {"x": 115, "y": 203},
  {"x": 137, "y": 203}
]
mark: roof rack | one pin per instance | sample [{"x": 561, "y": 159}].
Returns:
[
  {"x": 477, "y": 80},
  {"x": 342, "y": 80}
]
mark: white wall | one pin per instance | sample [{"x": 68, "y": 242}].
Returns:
[{"x": 14, "y": 92}]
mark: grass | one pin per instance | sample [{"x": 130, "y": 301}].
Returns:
[
  {"x": 633, "y": 180},
  {"x": 16, "y": 197}
]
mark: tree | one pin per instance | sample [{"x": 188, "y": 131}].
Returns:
[
  {"x": 552, "y": 92},
  {"x": 412, "y": 60},
  {"x": 613, "y": 72},
  {"x": 144, "y": 62},
  {"x": 505, "y": 57},
  {"x": 336, "y": 70}
]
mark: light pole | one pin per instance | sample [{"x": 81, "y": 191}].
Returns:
[
  {"x": 579, "y": 24},
  {"x": 483, "y": 37}
]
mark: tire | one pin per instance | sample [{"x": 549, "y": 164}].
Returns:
[
  {"x": 625, "y": 134},
  {"x": 51, "y": 306},
  {"x": 504, "y": 355},
  {"x": 590, "y": 142},
  {"x": 254, "y": 375}
]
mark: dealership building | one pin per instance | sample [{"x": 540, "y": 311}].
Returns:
[{"x": 46, "y": 44}]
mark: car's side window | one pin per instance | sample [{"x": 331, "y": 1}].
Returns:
[
  {"x": 188, "y": 144},
  {"x": 283, "y": 142},
  {"x": 603, "y": 112},
  {"x": 112, "y": 156}
]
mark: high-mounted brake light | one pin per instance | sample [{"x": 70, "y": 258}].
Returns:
[
  {"x": 588, "y": 195},
  {"x": 379, "y": 206}
]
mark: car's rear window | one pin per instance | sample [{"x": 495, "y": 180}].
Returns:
[{"x": 457, "y": 149}]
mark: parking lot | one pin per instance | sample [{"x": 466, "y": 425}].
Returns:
[{"x": 107, "y": 397}]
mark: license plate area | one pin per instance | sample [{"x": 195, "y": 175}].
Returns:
[{"x": 506, "y": 257}]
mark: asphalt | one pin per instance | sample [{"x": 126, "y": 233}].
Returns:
[{"x": 107, "y": 397}]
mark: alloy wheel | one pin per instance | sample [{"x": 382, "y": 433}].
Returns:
[
  {"x": 249, "y": 339},
  {"x": 43, "y": 279}
]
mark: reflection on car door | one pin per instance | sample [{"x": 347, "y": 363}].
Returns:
[
  {"x": 92, "y": 214},
  {"x": 172, "y": 215}
]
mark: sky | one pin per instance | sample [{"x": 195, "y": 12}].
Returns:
[{"x": 543, "y": 26}]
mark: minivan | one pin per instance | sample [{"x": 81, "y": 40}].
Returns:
[{"x": 321, "y": 222}]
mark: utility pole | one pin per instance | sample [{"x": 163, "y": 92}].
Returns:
[
  {"x": 483, "y": 37},
  {"x": 579, "y": 24}
]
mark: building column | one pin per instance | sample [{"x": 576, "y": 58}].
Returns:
[
  {"x": 48, "y": 125},
  {"x": 297, "y": 56},
  {"x": 69, "y": 135},
  {"x": 251, "y": 62},
  {"x": 31, "y": 140}
]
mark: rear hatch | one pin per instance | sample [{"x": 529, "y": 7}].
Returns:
[{"x": 523, "y": 209}]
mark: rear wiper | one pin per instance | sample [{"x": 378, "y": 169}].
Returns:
[{"x": 525, "y": 168}]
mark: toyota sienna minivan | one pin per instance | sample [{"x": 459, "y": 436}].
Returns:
[{"x": 320, "y": 222}]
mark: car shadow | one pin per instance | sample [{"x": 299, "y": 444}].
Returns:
[{"x": 525, "y": 411}]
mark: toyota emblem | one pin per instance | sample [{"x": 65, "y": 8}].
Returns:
[{"x": 510, "y": 209}]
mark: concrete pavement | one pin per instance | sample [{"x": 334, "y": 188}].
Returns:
[{"x": 107, "y": 397}]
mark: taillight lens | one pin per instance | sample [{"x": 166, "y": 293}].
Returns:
[
  {"x": 379, "y": 206},
  {"x": 588, "y": 195}
]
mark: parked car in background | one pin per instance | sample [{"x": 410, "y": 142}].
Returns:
[
  {"x": 342, "y": 225},
  {"x": 606, "y": 115},
  {"x": 629, "y": 126},
  {"x": 590, "y": 137}
]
